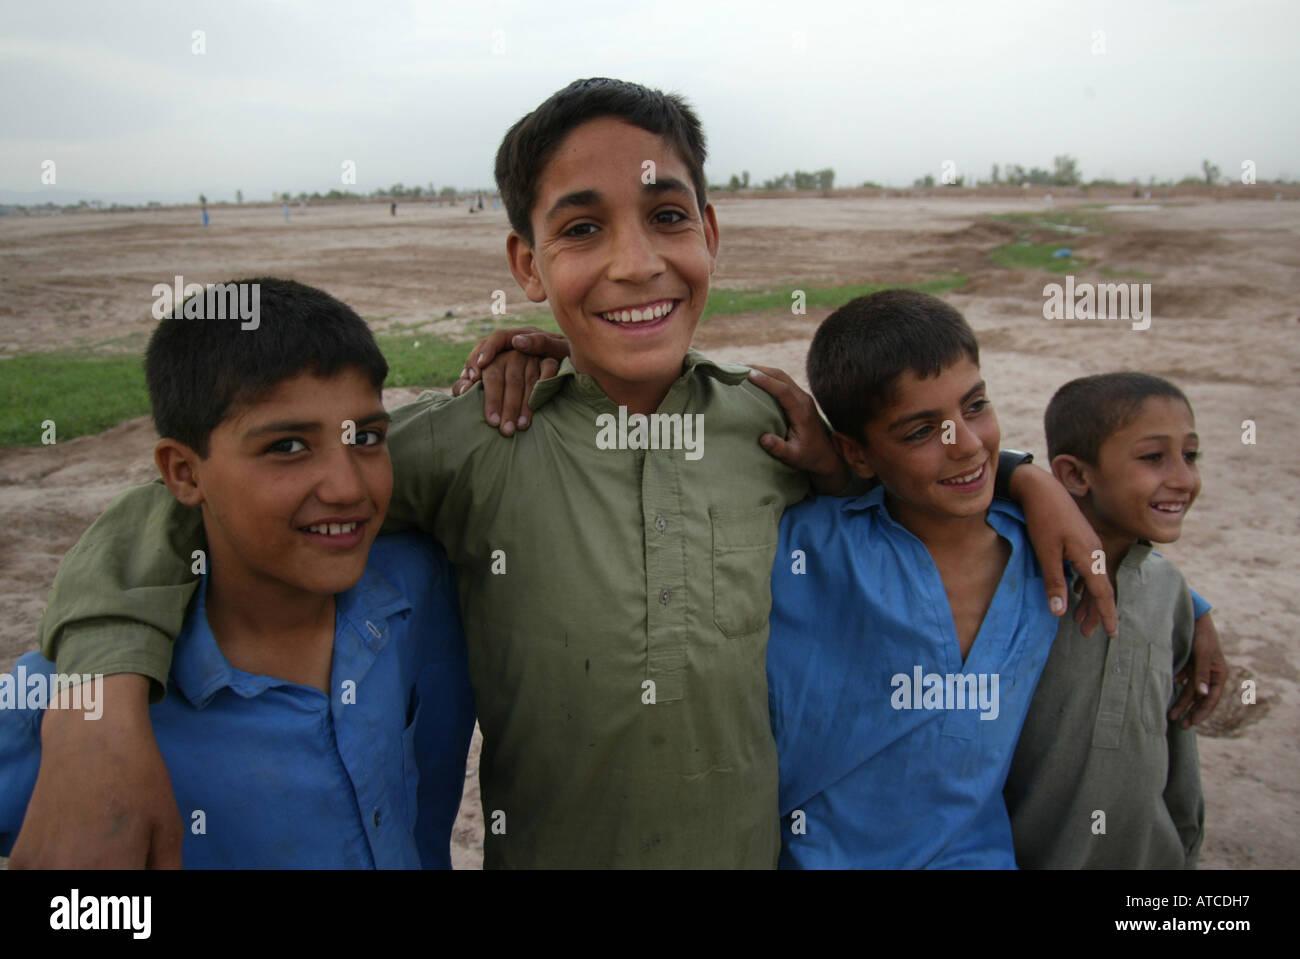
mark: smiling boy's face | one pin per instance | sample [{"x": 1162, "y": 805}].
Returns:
[
  {"x": 905, "y": 445},
  {"x": 624, "y": 264},
  {"x": 285, "y": 501},
  {"x": 1146, "y": 477}
]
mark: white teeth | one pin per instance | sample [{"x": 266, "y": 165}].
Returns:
[
  {"x": 654, "y": 312},
  {"x": 968, "y": 478},
  {"x": 1169, "y": 508},
  {"x": 332, "y": 529}
]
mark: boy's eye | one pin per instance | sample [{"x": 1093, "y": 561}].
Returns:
[
  {"x": 1153, "y": 457},
  {"x": 1192, "y": 456},
  {"x": 580, "y": 230},
  {"x": 677, "y": 216},
  {"x": 286, "y": 446},
  {"x": 370, "y": 438},
  {"x": 918, "y": 434},
  {"x": 978, "y": 406}
]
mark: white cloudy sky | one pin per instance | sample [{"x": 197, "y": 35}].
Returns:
[{"x": 415, "y": 92}]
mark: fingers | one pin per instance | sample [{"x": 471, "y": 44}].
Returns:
[
  {"x": 1205, "y": 705},
  {"x": 513, "y": 401},
  {"x": 1099, "y": 588},
  {"x": 494, "y": 391},
  {"x": 1054, "y": 584},
  {"x": 484, "y": 352},
  {"x": 780, "y": 385},
  {"x": 782, "y": 449},
  {"x": 1184, "y": 701},
  {"x": 540, "y": 343}
]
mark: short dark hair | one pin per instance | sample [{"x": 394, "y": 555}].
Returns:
[
  {"x": 530, "y": 143},
  {"x": 200, "y": 370},
  {"x": 1086, "y": 412},
  {"x": 860, "y": 351}
]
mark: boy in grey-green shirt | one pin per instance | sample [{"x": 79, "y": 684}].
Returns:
[{"x": 1101, "y": 777}]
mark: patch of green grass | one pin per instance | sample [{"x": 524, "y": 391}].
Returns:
[
  {"x": 722, "y": 302},
  {"x": 80, "y": 392},
  {"x": 434, "y": 362},
  {"x": 1035, "y": 256}
]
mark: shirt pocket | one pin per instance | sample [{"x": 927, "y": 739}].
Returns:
[
  {"x": 410, "y": 771},
  {"x": 1158, "y": 689},
  {"x": 744, "y": 547}
]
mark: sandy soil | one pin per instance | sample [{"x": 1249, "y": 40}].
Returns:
[{"x": 1225, "y": 326}]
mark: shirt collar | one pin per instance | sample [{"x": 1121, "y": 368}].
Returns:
[
  {"x": 586, "y": 386},
  {"x": 874, "y": 499},
  {"x": 200, "y": 669}
]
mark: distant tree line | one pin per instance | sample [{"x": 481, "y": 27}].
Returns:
[{"x": 798, "y": 180}]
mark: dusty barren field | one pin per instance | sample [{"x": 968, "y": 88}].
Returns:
[{"x": 1225, "y": 326}]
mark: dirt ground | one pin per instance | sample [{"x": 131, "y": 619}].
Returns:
[{"x": 1225, "y": 326}]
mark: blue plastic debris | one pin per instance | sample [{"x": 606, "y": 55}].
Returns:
[{"x": 1062, "y": 254}]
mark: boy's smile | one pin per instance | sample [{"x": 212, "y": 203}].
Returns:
[
  {"x": 1146, "y": 477},
  {"x": 624, "y": 263},
  {"x": 928, "y": 478}
]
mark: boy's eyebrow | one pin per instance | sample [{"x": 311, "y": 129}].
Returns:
[
  {"x": 577, "y": 198},
  {"x": 931, "y": 414},
  {"x": 285, "y": 426},
  {"x": 583, "y": 198},
  {"x": 1166, "y": 436},
  {"x": 667, "y": 184}
]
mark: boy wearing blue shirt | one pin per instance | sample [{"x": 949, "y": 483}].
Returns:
[
  {"x": 1102, "y": 778},
  {"x": 322, "y": 710},
  {"x": 908, "y": 625}
]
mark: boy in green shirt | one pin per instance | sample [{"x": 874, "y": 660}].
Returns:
[{"x": 615, "y": 598}]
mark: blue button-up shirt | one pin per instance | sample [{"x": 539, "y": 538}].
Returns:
[
  {"x": 270, "y": 773},
  {"x": 893, "y": 752}
]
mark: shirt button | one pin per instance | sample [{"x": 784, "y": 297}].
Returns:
[
  {"x": 664, "y": 596},
  {"x": 660, "y": 523},
  {"x": 379, "y": 818}
]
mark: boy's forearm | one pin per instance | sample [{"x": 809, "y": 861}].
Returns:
[{"x": 121, "y": 592}]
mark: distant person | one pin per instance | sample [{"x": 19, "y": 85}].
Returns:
[
  {"x": 392, "y": 209},
  {"x": 321, "y": 709},
  {"x": 480, "y": 201},
  {"x": 286, "y": 211},
  {"x": 205, "y": 216},
  {"x": 1098, "y": 740}
]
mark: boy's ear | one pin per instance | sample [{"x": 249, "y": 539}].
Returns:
[
  {"x": 853, "y": 453},
  {"x": 1072, "y": 473},
  {"x": 711, "y": 235},
  {"x": 523, "y": 264},
  {"x": 176, "y": 464}
]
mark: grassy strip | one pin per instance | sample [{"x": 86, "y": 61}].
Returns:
[
  {"x": 1035, "y": 256},
  {"x": 745, "y": 301},
  {"x": 81, "y": 393},
  {"x": 86, "y": 393}
]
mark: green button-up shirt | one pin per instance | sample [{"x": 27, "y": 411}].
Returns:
[
  {"x": 615, "y": 603},
  {"x": 1101, "y": 779}
]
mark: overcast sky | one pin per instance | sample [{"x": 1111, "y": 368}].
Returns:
[{"x": 415, "y": 92}]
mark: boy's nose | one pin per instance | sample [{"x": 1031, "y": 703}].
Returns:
[
  {"x": 340, "y": 480},
  {"x": 633, "y": 257}
]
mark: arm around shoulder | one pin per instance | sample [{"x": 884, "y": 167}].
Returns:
[{"x": 121, "y": 592}]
